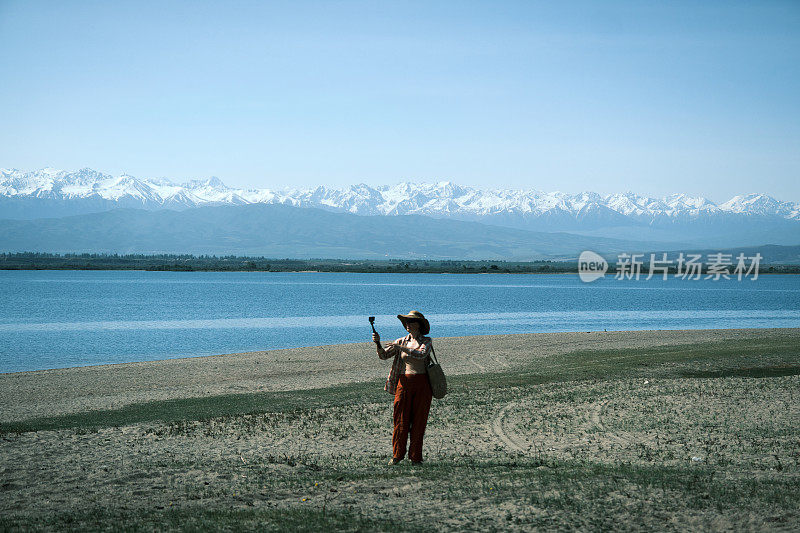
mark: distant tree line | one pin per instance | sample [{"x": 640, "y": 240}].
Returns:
[{"x": 234, "y": 263}]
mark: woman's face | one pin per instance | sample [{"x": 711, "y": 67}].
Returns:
[{"x": 412, "y": 326}]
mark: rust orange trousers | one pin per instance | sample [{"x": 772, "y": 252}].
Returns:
[{"x": 412, "y": 402}]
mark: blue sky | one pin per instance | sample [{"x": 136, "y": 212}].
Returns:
[{"x": 653, "y": 97}]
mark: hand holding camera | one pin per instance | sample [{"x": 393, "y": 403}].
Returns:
[{"x": 375, "y": 337}]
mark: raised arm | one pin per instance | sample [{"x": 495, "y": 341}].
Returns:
[{"x": 384, "y": 353}]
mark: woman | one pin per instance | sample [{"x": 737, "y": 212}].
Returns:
[{"x": 408, "y": 381}]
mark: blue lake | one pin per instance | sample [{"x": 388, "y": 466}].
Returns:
[{"x": 55, "y": 319}]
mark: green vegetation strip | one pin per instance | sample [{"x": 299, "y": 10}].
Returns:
[
  {"x": 575, "y": 495},
  {"x": 743, "y": 358}
]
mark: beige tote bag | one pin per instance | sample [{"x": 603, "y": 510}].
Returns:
[{"x": 436, "y": 376}]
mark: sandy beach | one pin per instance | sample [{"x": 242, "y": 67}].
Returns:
[
  {"x": 636, "y": 430},
  {"x": 72, "y": 390}
]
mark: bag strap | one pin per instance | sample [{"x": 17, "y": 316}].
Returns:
[{"x": 433, "y": 353}]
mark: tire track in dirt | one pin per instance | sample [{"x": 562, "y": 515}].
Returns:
[
  {"x": 596, "y": 416},
  {"x": 476, "y": 364},
  {"x": 502, "y": 362},
  {"x": 497, "y": 428}
]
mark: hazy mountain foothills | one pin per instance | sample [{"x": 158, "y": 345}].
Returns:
[
  {"x": 770, "y": 254},
  {"x": 751, "y": 220},
  {"x": 275, "y": 230}
]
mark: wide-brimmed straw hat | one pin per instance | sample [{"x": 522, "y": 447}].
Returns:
[{"x": 416, "y": 316}]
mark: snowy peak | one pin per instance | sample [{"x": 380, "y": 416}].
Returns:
[
  {"x": 757, "y": 204},
  {"x": 213, "y": 182}
]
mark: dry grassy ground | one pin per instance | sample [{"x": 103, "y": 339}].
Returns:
[{"x": 631, "y": 431}]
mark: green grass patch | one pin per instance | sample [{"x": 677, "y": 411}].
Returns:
[
  {"x": 198, "y": 518},
  {"x": 747, "y": 372},
  {"x": 658, "y": 361},
  {"x": 206, "y": 407}
]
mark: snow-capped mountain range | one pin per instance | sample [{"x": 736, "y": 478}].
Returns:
[
  {"x": 53, "y": 193},
  {"x": 442, "y": 199}
]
